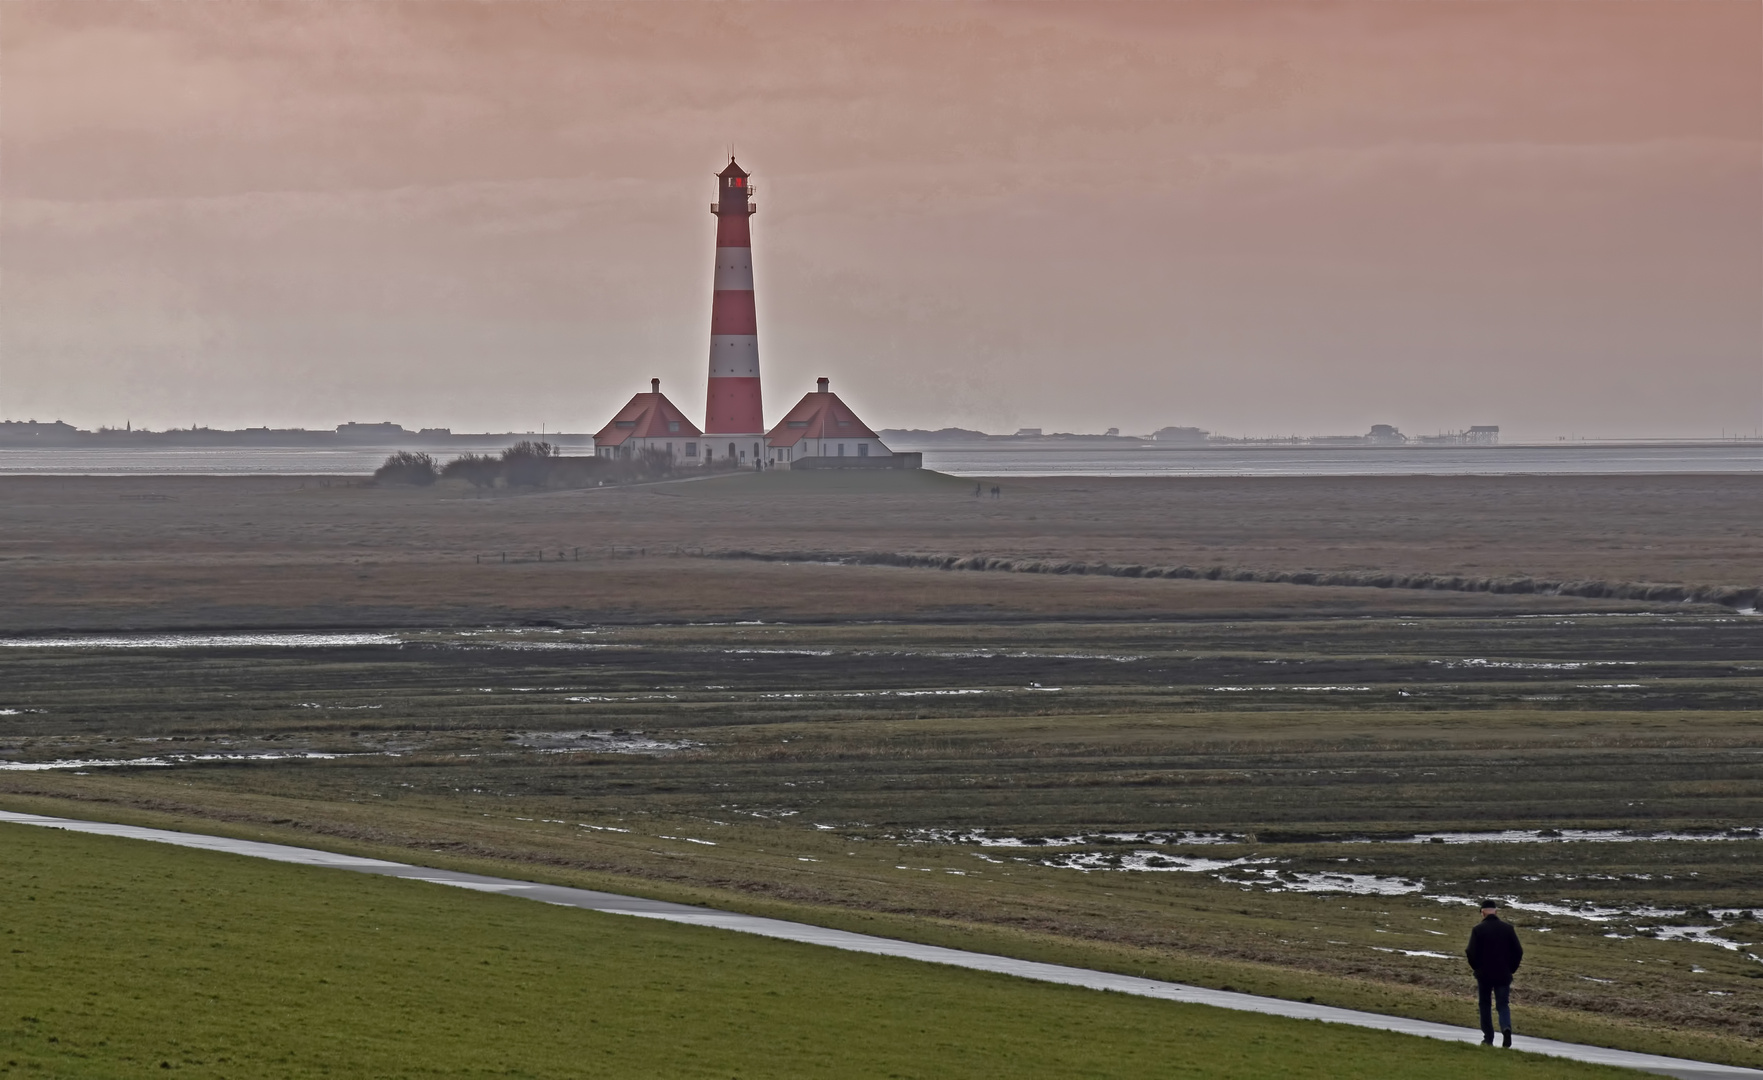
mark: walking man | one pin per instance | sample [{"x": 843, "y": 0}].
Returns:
[{"x": 1494, "y": 954}]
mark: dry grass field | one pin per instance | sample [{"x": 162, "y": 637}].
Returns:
[
  {"x": 1222, "y": 782},
  {"x": 102, "y": 553}
]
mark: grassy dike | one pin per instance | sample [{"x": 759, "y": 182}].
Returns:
[{"x": 118, "y": 956}]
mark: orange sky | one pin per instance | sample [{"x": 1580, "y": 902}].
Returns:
[{"x": 1252, "y": 217}]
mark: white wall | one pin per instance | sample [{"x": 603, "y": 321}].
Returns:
[
  {"x": 830, "y": 448},
  {"x": 674, "y": 444}
]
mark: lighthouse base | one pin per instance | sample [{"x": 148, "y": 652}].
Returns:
[{"x": 744, "y": 449}]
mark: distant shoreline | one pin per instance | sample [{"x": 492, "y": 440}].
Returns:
[
  {"x": 15, "y": 435},
  {"x": 1118, "y": 444},
  {"x": 1001, "y": 459},
  {"x": 49, "y": 437}
]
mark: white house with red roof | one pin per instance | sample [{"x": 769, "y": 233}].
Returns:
[
  {"x": 650, "y": 422},
  {"x": 821, "y": 432}
]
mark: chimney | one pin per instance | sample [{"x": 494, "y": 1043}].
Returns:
[
  {"x": 822, "y": 383},
  {"x": 654, "y": 386}
]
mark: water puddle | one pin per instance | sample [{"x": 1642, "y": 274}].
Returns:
[
  {"x": 1701, "y": 934},
  {"x": 599, "y": 742},
  {"x": 1148, "y": 861},
  {"x": 1326, "y": 882},
  {"x": 984, "y": 839},
  {"x": 1263, "y": 873},
  {"x": 1532, "y": 665},
  {"x": 585, "y": 699},
  {"x": 202, "y": 641},
  {"x": 1415, "y": 952},
  {"x": 163, "y": 761},
  {"x": 1564, "y": 836}
]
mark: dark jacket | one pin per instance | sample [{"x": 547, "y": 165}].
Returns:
[{"x": 1494, "y": 952}]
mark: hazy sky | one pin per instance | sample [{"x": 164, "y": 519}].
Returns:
[{"x": 1250, "y": 217}]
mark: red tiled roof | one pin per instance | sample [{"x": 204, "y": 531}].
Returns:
[
  {"x": 818, "y": 416},
  {"x": 646, "y": 417}
]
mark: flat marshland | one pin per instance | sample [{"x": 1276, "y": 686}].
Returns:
[
  {"x": 1288, "y": 789},
  {"x": 156, "y": 552}
]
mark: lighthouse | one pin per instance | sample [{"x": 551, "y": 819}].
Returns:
[{"x": 734, "y": 417}]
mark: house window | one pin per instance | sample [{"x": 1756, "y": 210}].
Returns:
[
  {"x": 841, "y": 449},
  {"x": 673, "y": 425},
  {"x": 670, "y": 449},
  {"x": 691, "y": 449},
  {"x": 862, "y": 449}
]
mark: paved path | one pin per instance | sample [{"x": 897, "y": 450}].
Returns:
[{"x": 840, "y": 939}]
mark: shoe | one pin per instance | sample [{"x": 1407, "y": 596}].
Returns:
[
  {"x": 1506, "y": 1041},
  {"x": 1487, "y": 1040}
]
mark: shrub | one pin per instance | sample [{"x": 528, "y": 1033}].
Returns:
[
  {"x": 579, "y": 472},
  {"x": 478, "y": 470},
  {"x": 407, "y": 467},
  {"x": 528, "y": 464}
]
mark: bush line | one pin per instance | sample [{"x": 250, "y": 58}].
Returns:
[{"x": 1732, "y": 596}]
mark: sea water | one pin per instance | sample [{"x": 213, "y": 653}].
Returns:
[{"x": 989, "y": 460}]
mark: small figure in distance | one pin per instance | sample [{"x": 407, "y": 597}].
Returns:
[
  {"x": 976, "y": 489},
  {"x": 997, "y": 492},
  {"x": 1494, "y": 955}
]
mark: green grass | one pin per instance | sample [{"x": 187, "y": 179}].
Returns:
[{"x": 119, "y": 957}]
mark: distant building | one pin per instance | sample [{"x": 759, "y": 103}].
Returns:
[
  {"x": 369, "y": 433},
  {"x": 1385, "y": 435},
  {"x": 33, "y": 433},
  {"x": 650, "y": 422},
  {"x": 823, "y": 432},
  {"x": 1028, "y": 433},
  {"x": 1179, "y": 435},
  {"x": 1480, "y": 435}
]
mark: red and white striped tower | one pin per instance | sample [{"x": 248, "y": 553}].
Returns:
[{"x": 734, "y": 417}]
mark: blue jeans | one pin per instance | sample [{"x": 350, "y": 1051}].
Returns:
[{"x": 1501, "y": 996}]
